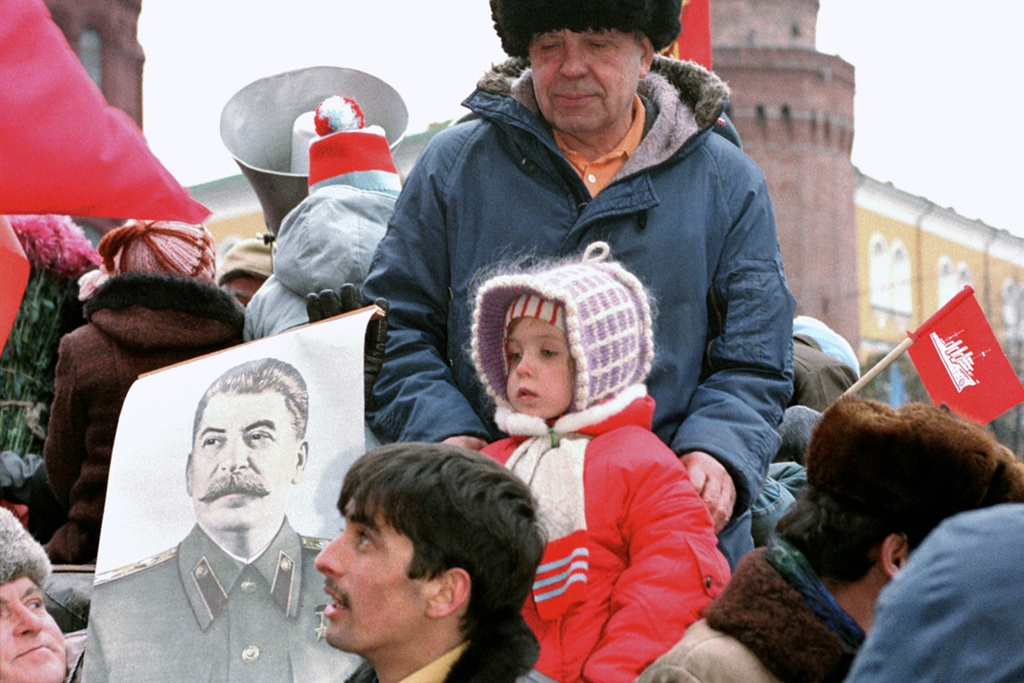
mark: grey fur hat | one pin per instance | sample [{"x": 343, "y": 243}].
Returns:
[
  {"x": 517, "y": 21},
  {"x": 20, "y": 554}
]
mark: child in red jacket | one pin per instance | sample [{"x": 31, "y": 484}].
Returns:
[{"x": 631, "y": 559}]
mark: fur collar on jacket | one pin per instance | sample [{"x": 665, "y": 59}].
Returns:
[
  {"x": 700, "y": 90},
  {"x": 500, "y": 653},
  {"x": 760, "y": 610},
  {"x": 166, "y": 292},
  {"x": 682, "y": 99}
]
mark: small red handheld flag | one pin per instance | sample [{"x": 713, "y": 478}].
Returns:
[{"x": 961, "y": 363}]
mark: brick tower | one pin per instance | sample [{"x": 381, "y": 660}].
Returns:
[
  {"x": 793, "y": 108},
  {"x": 104, "y": 35}
]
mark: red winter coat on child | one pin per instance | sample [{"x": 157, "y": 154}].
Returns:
[{"x": 653, "y": 558}]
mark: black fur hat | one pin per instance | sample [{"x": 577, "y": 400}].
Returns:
[{"x": 517, "y": 21}]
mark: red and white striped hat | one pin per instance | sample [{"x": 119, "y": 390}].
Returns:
[
  {"x": 349, "y": 153},
  {"x": 532, "y": 306}
]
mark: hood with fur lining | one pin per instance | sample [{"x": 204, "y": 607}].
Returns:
[
  {"x": 682, "y": 99},
  {"x": 153, "y": 311}
]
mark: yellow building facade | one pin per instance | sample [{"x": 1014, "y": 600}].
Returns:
[{"x": 914, "y": 255}]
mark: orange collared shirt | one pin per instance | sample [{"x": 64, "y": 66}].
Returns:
[{"x": 598, "y": 173}]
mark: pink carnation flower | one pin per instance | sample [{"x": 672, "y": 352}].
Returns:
[{"x": 56, "y": 244}]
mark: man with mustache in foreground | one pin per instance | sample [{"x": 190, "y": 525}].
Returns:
[
  {"x": 237, "y": 598},
  {"x": 428, "y": 578}
]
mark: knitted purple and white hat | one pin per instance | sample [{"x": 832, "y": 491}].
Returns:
[{"x": 607, "y": 324}]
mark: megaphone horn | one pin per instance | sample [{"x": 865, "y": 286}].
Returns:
[{"x": 256, "y": 126}]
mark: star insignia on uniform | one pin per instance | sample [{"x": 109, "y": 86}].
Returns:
[{"x": 321, "y": 630}]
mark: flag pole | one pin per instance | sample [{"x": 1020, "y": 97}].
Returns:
[
  {"x": 879, "y": 366},
  {"x": 909, "y": 341}
]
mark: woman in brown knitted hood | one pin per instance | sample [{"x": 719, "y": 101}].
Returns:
[{"x": 152, "y": 303}]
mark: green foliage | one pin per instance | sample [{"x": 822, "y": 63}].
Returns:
[{"x": 27, "y": 365}]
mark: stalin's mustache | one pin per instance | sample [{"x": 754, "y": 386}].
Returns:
[{"x": 245, "y": 482}]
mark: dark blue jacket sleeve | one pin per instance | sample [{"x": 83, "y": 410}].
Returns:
[
  {"x": 747, "y": 377},
  {"x": 415, "y": 396}
]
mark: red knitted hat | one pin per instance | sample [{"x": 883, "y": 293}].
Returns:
[
  {"x": 160, "y": 247},
  {"x": 349, "y": 153}
]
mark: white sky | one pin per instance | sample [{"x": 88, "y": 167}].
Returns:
[{"x": 934, "y": 108}]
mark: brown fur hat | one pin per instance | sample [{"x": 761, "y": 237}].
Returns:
[
  {"x": 918, "y": 464},
  {"x": 517, "y": 21}
]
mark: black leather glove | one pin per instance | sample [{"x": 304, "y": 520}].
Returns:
[
  {"x": 323, "y": 305},
  {"x": 328, "y": 303}
]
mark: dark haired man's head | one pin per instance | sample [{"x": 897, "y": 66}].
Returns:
[
  {"x": 438, "y": 541},
  {"x": 875, "y": 472},
  {"x": 459, "y": 509},
  {"x": 837, "y": 541}
]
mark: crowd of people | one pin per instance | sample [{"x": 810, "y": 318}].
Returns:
[{"x": 612, "y": 454}]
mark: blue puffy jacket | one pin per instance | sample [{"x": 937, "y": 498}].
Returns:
[
  {"x": 688, "y": 213},
  {"x": 953, "y": 613}
]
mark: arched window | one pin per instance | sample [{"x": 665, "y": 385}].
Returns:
[
  {"x": 1011, "y": 309},
  {"x": 963, "y": 276},
  {"x": 878, "y": 273},
  {"x": 902, "y": 298},
  {"x": 90, "y": 52},
  {"x": 947, "y": 280}
]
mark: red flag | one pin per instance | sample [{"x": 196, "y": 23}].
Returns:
[
  {"x": 14, "y": 272},
  {"x": 65, "y": 150},
  {"x": 694, "y": 42},
  {"x": 961, "y": 363}
]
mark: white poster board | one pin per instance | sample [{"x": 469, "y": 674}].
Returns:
[
  {"x": 172, "y": 601},
  {"x": 148, "y": 510}
]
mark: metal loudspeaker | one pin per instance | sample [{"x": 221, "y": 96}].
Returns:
[{"x": 256, "y": 126}]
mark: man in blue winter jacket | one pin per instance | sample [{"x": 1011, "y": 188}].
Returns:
[{"x": 586, "y": 134}]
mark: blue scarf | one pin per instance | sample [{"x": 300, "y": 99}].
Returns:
[{"x": 793, "y": 567}]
